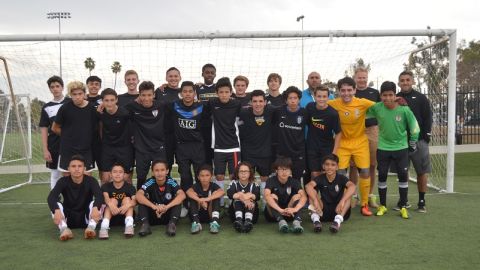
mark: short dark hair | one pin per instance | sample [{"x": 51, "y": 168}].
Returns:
[
  {"x": 321, "y": 87},
  {"x": 251, "y": 178},
  {"x": 78, "y": 158},
  {"x": 187, "y": 83},
  {"x": 146, "y": 85},
  {"x": 257, "y": 93},
  {"x": 223, "y": 82},
  {"x": 159, "y": 161},
  {"x": 118, "y": 164},
  {"x": 291, "y": 89},
  {"x": 274, "y": 76},
  {"x": 205, "y": 167},
  {"x": 331, "y": 157},
  {"x": 172, "y": 68},
  {"x": 348, "y": 81},
  {"x": 388, "y": 86},
  {"x": 94, "y": 79},
  {"x": 406, "y": 72},
  {"x": 54, "y": 79},
  {"x": 208, "y": 66},
  {"x": 284, "y": 162},
  {"x": 108, "y": 91}
]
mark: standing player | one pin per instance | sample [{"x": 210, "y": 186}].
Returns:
[
  {"x": 285, "y": 197},
  {"x": 160, "y": 200},
  {"x": 131, "y": 81},
  {"x": 81, "y": 203},
  {"x": 354, "y": 142},
  {"x": 335, "y": 196},
  {"x": 204, "y": 197},
  {"x": 314, "y": 80},
  {"x": 206, "y": 92},
  {"x": 50, "y": 140},
  {"x": 75, "y": 123},
  {"x": 420, "y": 107},
  {"x": 274, "y": 98},
  {"x": 240, "y": 83},
  {"x": 94, "y": 83},
  {"x": 395, "y": 122}
]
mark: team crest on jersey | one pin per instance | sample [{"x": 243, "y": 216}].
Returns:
[
  {"x": 155, "y": 113},
  {"x": 259, "y": 120},
  {"x": 289, "y": 190},
  {"x": 357, "y": 113},
  {"x": 299, "y": 119},
  {"x": 398, "y": 118},
  {"x": 168, "y": 196},
  {"x": 336, "y": 188},
  {"x": 347, "y": 113}
]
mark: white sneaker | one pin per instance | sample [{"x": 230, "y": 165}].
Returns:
[{"x": 184, "y": 212}]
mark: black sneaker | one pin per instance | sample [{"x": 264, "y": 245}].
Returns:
[
  {"x": 144, "y": 229},
  {"x": 171, "y": 229},
  {"x": 317, "y": 226},
  {"x": 335, "y": 227},
  {"x": 421, "y": 207},
  {"x": 237, "y": 224},
  {"x": 247, "y": 226}
]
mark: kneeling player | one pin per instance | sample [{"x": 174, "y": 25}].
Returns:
[
  {"x": 244, "y": 194},
  {"x": 204, "y": 198},
  {"x": 284, "y": 196},
  {"x": 82, "y": 201},
  {"x": 335, "y": 194},
  {"x": 160, "y": 199},
  {"x": 119, "y": 197}
]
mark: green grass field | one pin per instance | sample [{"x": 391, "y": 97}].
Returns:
[{"x": 447, "y": 237}]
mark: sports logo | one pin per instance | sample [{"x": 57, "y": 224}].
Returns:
[
  {"x": 398, "y": 118},
  {"x": 336, "y": 188},
  {"x": 187, "y": 123},
  {"x": 357, "y": 113},
  {"x": 299, "y": 119},
  {"x": 289, "y": 190},
  {"x": 168, "y": 196},
  {"x": 316, "y": 122},
  {"x": 155, "y": 113},
  {"x": 259, "y": 120}
]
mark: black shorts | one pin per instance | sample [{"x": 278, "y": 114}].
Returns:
[
  {"x": 54, "y": 164},
  {"x": 116, "y": 154},
  {"x": 76, "y": 219},
  {"x": 329, "y": 213},
  {"x": 263, "y": 166},
  {"x": 97, "y": 153},
  {"x": 222, "y": 160},
  {"x": 66, "y": 155},
  {"x": 315, "y": 157}
]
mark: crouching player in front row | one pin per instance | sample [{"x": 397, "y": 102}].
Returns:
[
  {"x": 119, "y": 198},
  {"x": 204, "y": 198},
  {"x": 160, "y": 200},
  {"x": 82, "y": 201},
  {"x": 336, "y": 192},
  {"x": 244, "y": 194},
  {"x": 284, "y": 196}
]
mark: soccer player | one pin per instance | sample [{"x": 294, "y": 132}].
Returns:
[
  {"x": 285, "y": 197},
  {"x": 205, "y": 92},
  {"x": 50, "y": 140},
  {"x": 314, "y": 80},
  {"x": 148, "y": 129},
  {"x": 160, "y": 200},
  {"x": 94, "y": 83},
  {"x": 395, "y": 122},
  {"x": 354, "y": 141},
  {"x": 75, "y": 123},
  {"x": 371, "y": 129},
  {"x": 324, "y": 133},
  {"x": 120, "y": 201},
  {"x": 335, "y": 196},
  {"x": 81, "y": 203},
  {"x": 274, "y": 98},
  {"x": 420, "y": 106},
  {"x": 204, "y": 197},
  {"x": 240, "y": 83},
  {"x": 290, "y": 121},
  {"x": 131, "y": 81},
  {"x": 115, "y": 136},
  {"x": 244, "y": 194}
]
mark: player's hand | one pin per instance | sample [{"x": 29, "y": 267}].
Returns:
[
  {"x": 249, "y": 204},
  {"x": 123, "y": 209},
  {"x": 100, "y": 108},
  {"x": 162, "y": 208},
  {"x": 290, "y": 212},
  {"x": 401, "y": 101},
  {"x": 96, "y": 215},
  {"x": 162, "y": 87},
  {"x": 57, "y": 217},
  {"x": 203, "y": 204},
  {"x": 47, "y": 156}
]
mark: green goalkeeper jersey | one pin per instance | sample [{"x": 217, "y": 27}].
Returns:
[{"x": 394, "y": 126}]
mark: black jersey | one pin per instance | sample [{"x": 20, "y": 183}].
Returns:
[
  {"x": 322, "y": 125},
  {"x": 225, "y": 128},
  {"x": 168, "y": 95},
  {"x": 76, "y": 197},
  {"x": 206, "y": 92},
  {"x": 420, "y": 106},
  {"x": 277, "y": 101},
  {"x": 290, "y": 132},
  {"x": 236, "y": 186},
  {"x": 126, "y": 98},
  {"x": 187, "y": 121},
  {"x": 285, "y": 191},
  {"x": 47, "y": 117},
  {"x": 256, "y": 132},
  {"x": 78, "y": 126},
  {"x": 370, "y": 94},
  {"x": 331, "y": 192},
  {"x": 160, "y": 194},
  {"x": 201, "y": 193},
  {"x": 94, "y": 101},
  {"x": 115, "y": 127},
  {"x": 244, "y": 101},
  {"x": 148, "y": 126},
  {"x": 126, "y": 190}
]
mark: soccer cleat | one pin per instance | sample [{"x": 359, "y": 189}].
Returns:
[
  {"x": 335, "y": 227},
  {"x": 66, "y": 234},
  {"x": 355, "y": 201},
  {"x": 196, "y": 227},
  {"x": 317, "y": 226},
  {"x": 283, "y": 226},
  {"x": 421, "y": 207},
  {"x": 171, "y": 229},
  {"x": 297, "y": 227},
  {"x": 90, "y": 233},
  {"x": 144, "y": 229},
  {"x": 247, "y": 226},
  {"x": 214, "y": 227},
  {"x": 237, "y": 224},
  {"x": 183, "y": 212},
  {"x": 103, "y": 234},
  {"x": 398, "y": 207},
  {"x": 372, "y": 201},
  {"x": 381, "y": 210},
  {"x": 365, "y": 211},
  {"x": 404, "y": 213},
  {"x": 129, "y": 231}
]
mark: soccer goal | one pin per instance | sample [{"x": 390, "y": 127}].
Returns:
[{"x": 34, "y": 58}]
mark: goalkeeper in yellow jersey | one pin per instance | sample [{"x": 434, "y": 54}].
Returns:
[{"x": 353, "y": 142}]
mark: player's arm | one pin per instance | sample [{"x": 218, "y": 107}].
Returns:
[
  {"x": 336, "y": 144},
  {"x": 179, "y": 198},
  {"x": 53, "y": 200},
  {"x": 271, "y": 201},
  {"x": 111, "y": 204},
  {"x": 193, "y": 195},
  {"x": 141, "y": 199},
  {"x": 217, "y": 194},
  {"x": 302, "y": 202},
  {"x": 412, "y": 125},
  {"x": 313, "y": 195},
  {"x": 97, "y": 202},
  {"x": 46, "y": 154},
  {"x": 56, "y": 128},
  {"x": 427, "y": 118}
]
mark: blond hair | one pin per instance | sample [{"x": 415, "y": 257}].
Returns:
[{"x": 75, "y": 85}]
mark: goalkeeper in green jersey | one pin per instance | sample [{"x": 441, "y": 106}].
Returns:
[{"x": 398, "y": 134}]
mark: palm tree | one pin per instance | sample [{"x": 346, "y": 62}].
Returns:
[
  {"x": 116, "y": 68},
  {"x": 89, "y": 64}
]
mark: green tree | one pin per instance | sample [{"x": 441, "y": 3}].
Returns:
[
  {"x": 468, "y": 65},
  {"x": 90, "y": 65},
  {"x": 116, "y": 68},
  {"x": 36, "y": 109}
]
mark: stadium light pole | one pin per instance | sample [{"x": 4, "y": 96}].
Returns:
[
  {"x": 300, "y": 18},
  {"x": 59, "y": 16}
]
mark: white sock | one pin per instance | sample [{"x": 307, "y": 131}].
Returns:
[
  {"x": 238, "y": 214},
  {"x": 92, "y": 223},
  {"x": 129, "y": 221},
  {"x": 62, "y": 225},
  {"x": 338, "y": 219},
  {"x": 216, "y": 214},
  {"x": 105, "y": 223},
  {"x": 248, "y": 216},
  {"x": 315, "y": 217},
  {"x": 54, "y": 176}
]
